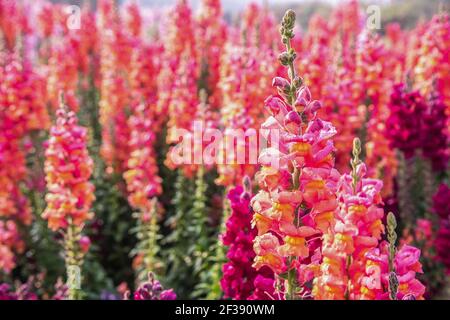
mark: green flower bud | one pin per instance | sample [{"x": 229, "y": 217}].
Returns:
[
  {"x": 392, "y": 222},
  {"x": 298, "y": 82},
  {"x": 356, "y": 147},
  {"x": 284, "y": 58},
  {"x": 393, "y": 286},
  {"x": 289, "y": 19}
]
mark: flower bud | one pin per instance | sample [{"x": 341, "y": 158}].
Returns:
[
  {"x": 288, "y": 21},
  {"x": 274, "y": 104},
  {"x": 292, "y": 117},
  {"x": 314, "y": 106},
  {"x": 356, "y": 147},
  {"x": 168, "y": 295},
  {"x": 280, "y": 82},
  {"x": 298, "y": 81},
  {"x": 305, "y": 93},
  {"x": 361, "y": 170},
  {"x": 284, "y": 58},
  {"x": 301, "y": 102},
  {"x": 392, "y": 223}
]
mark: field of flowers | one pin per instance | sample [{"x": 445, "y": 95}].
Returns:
[{"x": 180, "y": 155}]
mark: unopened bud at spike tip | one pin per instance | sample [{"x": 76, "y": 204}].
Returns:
[
  {"x": 280, "y": 83},
  {"x": 301, "y": 102},
  {"x": 356, "y": 147},
  {"x": 289, "y": 19},
  {"x": 274, "y": 104},
  {"x": 314, "y": 106},
  {"x": 293, "y": 117},
  {"x": 392, "y": 222}
]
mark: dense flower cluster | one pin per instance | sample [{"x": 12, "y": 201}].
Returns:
[
  {"x": 68, "y": 53},
  {"x": 404, "y": 122},
  {"x": 374, "y": 84},
  {"x": 143, "y": 182},
  {"x": 211, "y": 34},
  {"x": 347, "y": 66},
  {"x": 178, "y": 95},
  {"x": 242, "y": 84},
  {"x": 179, "y": 44},
  {"x": 13, "y": 204},
  {"x": 115, "y": 55},
  {"x": 152, "y": 290},
  {"x": 407, "y": 265},
  {"x": 22, "y": 93},
  {"x": 5, "y": 292},
  {"x": 195, "y": 94},
  {"x": 417, "y": 128},
  {"x": 297, "y": 179},
  {"x": 184, "y": 105},
  {"x": 10, "y": 243},
  {"x": 301, "y": 199},
  {"x": 13, "y": 22},
  {"x": 434, "y": 134},
  {"x": 169, "y": 103},
  {"x": 141, "y": 175},
  {"x": 239, "y": 279},
  {"x": 62, "y": 75},
  {"x": 22, "y": 292},
  {"x": 68, "y": 168},
  {"x": 431, "y": 68},
  {"x": 357, "y": 229},
  {"x": 423, "y": 233},
  {"x": 258, "y": 27},
  {"x": 22, "y": 110},
  {"x": 417, "y": 124}
]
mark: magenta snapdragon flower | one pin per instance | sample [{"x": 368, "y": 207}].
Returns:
[
  {"x": 153, "y": 290},
  {"x": 240, "y": 280},
  {"x": 417, "y": 124}
]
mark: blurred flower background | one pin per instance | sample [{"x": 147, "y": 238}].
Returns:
[{"x": 94, "y": 93}]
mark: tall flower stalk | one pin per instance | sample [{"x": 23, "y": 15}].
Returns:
[
  {"x": 22, "y": 112},
  {"x": 68, "y": 168},
  {"x": 141, "y": 172},
  {"x": 350, "y": 249},
  {"x": 296, "y": 201},
  {"x": 356, "y": 230}
]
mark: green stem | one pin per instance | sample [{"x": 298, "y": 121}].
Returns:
[
  {"x": 152, "y": 245},
  {"x": 291, "y": 285},
  {"x": 220, "y": 253},
  {"x": 74, "y": 261}
]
